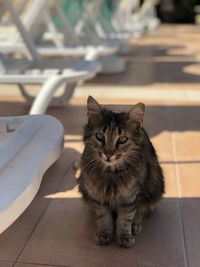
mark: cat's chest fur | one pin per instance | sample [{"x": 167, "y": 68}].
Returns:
[{"x": 111, "y": 189}]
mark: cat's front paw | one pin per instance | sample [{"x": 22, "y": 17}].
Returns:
[
  {"x": 126, "y": 241},
  {"x": 103, "y": 239}
]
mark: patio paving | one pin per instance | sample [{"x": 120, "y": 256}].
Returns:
[{"x": 58, "y": 229}]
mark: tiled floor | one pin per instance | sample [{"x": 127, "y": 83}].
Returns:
[{"x": 58, "y": 229}]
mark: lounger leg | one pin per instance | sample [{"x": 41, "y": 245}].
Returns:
[
  {"x": 61, "y": 101},
  {"x": 45, "y": 95},
  {"x": 69, "y": 90},
  {"x": 57, "y": 101},
  {"x": 29, "y": 98}
]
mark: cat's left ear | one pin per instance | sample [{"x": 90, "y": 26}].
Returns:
[
  {"x": 137, "y": 113},
  {"x": 93, "y": 107}
]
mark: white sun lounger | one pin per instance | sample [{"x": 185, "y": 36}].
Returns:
[
  {"x": 38, "y": 73},
  {"x": 131, "y": 16},
  {"x": 29, "y": 145},
  {"x": 91, "y": 24},
  {"x": 39, "y": 19},
  {"x": 51, "y": 74}
]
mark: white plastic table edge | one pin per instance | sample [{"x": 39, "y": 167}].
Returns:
[{"x": 20, "y": 145}]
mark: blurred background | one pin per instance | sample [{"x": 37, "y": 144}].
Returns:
[{"x": 179, "y": 11}]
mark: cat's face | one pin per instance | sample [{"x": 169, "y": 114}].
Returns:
[
  {"x": 112, "y": 143},
  {"x": 113, "y": 136}
]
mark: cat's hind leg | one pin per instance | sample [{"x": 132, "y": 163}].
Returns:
[
  {"x": 142, "y": 212},
  {"x": 137, "y": 224}
]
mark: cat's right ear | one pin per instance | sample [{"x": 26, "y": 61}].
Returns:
[
  {"x": 137, "y": 113},
  {"x": 93, "y": 107}
]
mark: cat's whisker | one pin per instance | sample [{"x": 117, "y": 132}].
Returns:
[
  {"x": 86, "y": 165},
  {"x": 133, "y": 152}
]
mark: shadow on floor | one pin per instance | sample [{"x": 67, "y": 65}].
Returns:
[
  {"x": 157, "y": 118},
  {"x": 148, "y": 72},
  {"x": 151, "y": 64}
]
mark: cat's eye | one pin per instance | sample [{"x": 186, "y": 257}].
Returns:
[
  {"x": 100, "y": 137},
  {"x": 122, "y": 140}
]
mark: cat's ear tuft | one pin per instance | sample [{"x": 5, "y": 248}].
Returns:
[
  {"x": 137, "y": 113},
  {"x": 93, "y": 107}
]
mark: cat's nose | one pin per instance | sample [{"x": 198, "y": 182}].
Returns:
[{"x": 108, "y": 154}]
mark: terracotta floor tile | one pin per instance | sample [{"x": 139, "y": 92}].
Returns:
[
  {"x": 14, "y": 238},
  {"x": 69, "y": 237},
  {"x": 189, "y": 180},
  {"x": 187, "y": 146},
  {"x": 5, "y": 264},
  {"x": 185, "y": 124},
  {"x": 171, "y": 189},
  {"x": 190, "y": 208},
  {"x": 34, "y": 265},
  {"x": 163, "y": 146}
]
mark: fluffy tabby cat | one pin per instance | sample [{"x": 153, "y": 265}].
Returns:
[{"x": 120, "y": 174}]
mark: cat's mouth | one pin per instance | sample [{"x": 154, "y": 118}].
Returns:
[{"x": 110, "y": 159}]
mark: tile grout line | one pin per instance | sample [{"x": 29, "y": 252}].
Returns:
[
  {"x": 41, "y": 264},
  {"x": 176, "y": 165},
  {"x": 177, "y": 174},
  {"x": 38, "y": 221}
]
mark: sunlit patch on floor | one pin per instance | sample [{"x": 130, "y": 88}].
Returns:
[
  {"x": 72, "y": 193},
  {"x": 73, "y": 138},
  {"x": 179, "y": 52},
  {"x": 192, "y": 69},
  {"x": 73, "y": 141}
]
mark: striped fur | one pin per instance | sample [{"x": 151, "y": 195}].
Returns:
[{"x": 120, "y": 174}]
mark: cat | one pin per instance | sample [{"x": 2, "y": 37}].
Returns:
[{"x": 120, "y": 174}]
